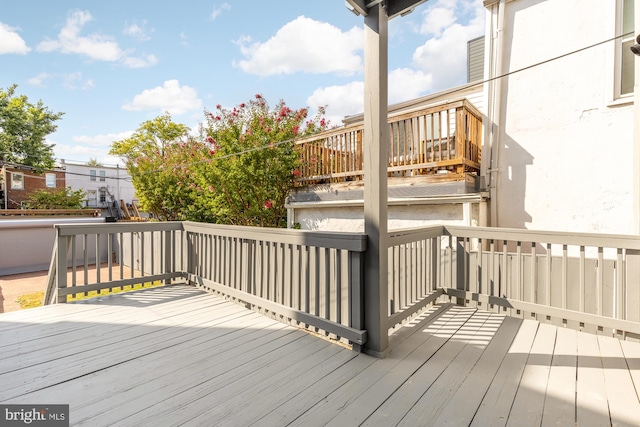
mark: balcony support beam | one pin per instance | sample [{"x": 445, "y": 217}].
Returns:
[{"x": 375, "y": 180}]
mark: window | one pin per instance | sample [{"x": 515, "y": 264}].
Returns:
[
  {"x": 92, "y": 174},
  {"x": 103, "y": 175},
  {"x": 103, "y": 196},
  {"x": 626, "y": 70},
  {"x": 92, "y": 198},
  {"x": 51, "y": 180},
  {"x": 17, "y": 181}
]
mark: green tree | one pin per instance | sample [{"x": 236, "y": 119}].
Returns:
[
  {"x": 61, "y": 198},
  {"x": 23, "y": 129},
  {"x": 152, "y": 136},
  {"x": 149, "y": 155},
  {"x": 94, "y": 162}
]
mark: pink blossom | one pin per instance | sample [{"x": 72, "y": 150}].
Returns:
[
  {"x": 284, "y": 111},
  {"x": 219, "y": 107},
  {"x": 258, "y": 96},
  {"x": 296, "y": 173},
  {"x": 322, "y": 122},
  {"x": 210, "y": 140},
  {"x": 218, "y": 118},
  {"x": 242, "y": 105},
  {"x": 211, "y": 188},
  {"x": 268, "y": 204},
  {"x": 295, "y": 130}
]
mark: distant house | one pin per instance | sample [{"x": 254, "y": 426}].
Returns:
[
  {"x": 19, "y": 182},
  {"x": 103, "y": 184}
]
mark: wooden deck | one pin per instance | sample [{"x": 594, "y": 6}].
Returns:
[{"x": 179, "y": 356}]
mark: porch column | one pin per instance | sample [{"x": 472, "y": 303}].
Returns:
[{"x": 375, "y": 150}]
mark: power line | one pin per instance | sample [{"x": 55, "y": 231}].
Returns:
[{"x": 445, "y": 93}]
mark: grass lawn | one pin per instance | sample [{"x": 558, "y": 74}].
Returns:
[{"x": 35, "y": 299}]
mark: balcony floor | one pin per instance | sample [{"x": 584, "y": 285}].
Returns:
[{"x": 179, "y": 356}]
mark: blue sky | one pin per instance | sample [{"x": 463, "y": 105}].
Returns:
[{"x": 109, "y": 66}]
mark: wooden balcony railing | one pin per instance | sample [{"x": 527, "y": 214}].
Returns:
[{"x": 445, "y": 138}]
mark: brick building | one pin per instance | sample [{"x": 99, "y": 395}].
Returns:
[{"x": 18, "y": 182}]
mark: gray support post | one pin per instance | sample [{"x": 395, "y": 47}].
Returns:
[
  {"x": 375, "y": 179},
  {"x": 169, "y": 253},
  {"x": 61, "y": 268},
  {"x": 356, "y": 288}
]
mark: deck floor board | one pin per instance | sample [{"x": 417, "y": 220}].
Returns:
[{"x": 177, "y": 355}]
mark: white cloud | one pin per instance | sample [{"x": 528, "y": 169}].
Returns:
[
  {"x": 184, "y": 39},
  {"x": 217, "y": 10},
  {"x": 348, "y": 100},
  {"x": 304, "y": 45},
  {"x": 96, "y": 46},
  {"x": 169, "y": 97},
  {"x": 406, "y": 84},
  {"x": 138, "y": 32},
  {"x": 90, "y": 147},
  {"x": 11, "y": 42},
  {"x": 75, "y": 81},
  {"x": 69, "y": 40},
  {"x": 102, "y": 141},
  {"x": 39, "y": 79},
  {"x": 140, "y": 61},
  {"x": 82, "y": 153},
  {"x": 444, "y": 56},
  {"x": 341, "y": 101},
  {"x": 436, "y": 19}
]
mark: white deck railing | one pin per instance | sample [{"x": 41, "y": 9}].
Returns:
[{"x": 588, "y": 282}]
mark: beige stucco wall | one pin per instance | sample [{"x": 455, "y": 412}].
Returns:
[{"x": 565, "y": 154}]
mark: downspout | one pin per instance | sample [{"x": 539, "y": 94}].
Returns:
[{"x": 494, "y": 102}]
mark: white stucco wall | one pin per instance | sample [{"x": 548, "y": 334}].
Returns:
[
  {"x": 351, "y": 219},
  {"x": 565, "y": 148}
]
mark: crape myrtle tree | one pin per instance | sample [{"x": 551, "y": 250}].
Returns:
[
  {"x": 239, "y": 171},
  {"x": 253, "y": 162},
  {"x": 23, "y": 129}
]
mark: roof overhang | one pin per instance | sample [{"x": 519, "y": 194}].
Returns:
[{"x": 393, "y": 8}]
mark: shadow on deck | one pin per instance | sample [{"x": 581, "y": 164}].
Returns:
[{"x": 176, "y": 355}]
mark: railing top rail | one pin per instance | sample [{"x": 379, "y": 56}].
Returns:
[
  {"x": 356, "y": 242},
  {"x": 472, "y": 109},
  {"x": 407, "y": 235},
  {"x": 115, "y": 227},
  {"x": 329, "y": 133},
  {"x": 554, "y": 237}
]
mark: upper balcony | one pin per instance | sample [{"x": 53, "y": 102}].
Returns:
[{"x": 441, "y": 142}]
